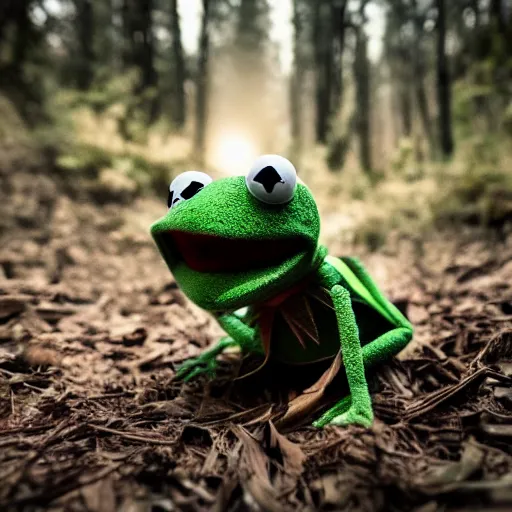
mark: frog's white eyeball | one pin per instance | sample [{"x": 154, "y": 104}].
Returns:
[
  {"x": 272, "y": 179},
  {"x": 186, "y": 185}
]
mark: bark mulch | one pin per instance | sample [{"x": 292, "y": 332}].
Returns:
[{"x": 91, "y": 418}]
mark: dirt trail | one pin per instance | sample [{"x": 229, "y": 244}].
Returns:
[{"x": 91, "y": 326}]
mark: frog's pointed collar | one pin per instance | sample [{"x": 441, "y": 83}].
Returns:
[{"x": 294, "y": 305}]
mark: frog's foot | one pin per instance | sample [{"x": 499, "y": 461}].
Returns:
[
  {"x": 344, "y": 413},
  {"x": 205, "y": 363},
  {"x": 353, "y": 417}
]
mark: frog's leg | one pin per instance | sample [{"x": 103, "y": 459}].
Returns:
[
  {"x": 239, "y": 333},
  {"x": 360, "y": 408},
  {"x": 362, "y": 274},
  {"x": 381, "y": 349},
  {"x": 378, "y": 351}
]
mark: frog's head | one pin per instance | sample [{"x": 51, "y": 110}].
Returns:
[{"x": 239, "y": 240}]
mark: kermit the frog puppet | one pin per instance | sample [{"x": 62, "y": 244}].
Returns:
[{"x": 251, "y": 243}]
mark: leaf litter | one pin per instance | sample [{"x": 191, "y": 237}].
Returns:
[{"x": 92, "y": 419}]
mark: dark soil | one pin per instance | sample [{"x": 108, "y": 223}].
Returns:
[{"x": 92, "y": 325}]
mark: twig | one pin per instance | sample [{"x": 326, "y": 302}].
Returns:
[
  {"x": 133, "y": 437},
  {"x": 26, "y": 430},
  {"x": 497, "y": 414},
  {"x": 110, "y": 395},
  {"x": 434, "y": 399},
  {"x": 34, "y": 388},
  {"x": 32, "y": 457},
  {"x": 47, "y": 496}
]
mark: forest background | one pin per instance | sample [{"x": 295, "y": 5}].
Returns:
[{"x": 397, "y": 113}]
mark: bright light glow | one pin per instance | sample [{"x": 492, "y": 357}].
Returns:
[{"x": 234, "y": 153}]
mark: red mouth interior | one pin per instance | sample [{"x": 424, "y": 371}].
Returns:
[{"x": 208, "y": 253}]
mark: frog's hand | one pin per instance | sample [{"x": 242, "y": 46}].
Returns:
[
  {"x": 206, "y": 362},
  {"x": 243, "y": 334},
  {"x": 360, "y": 272},
  {"x": 239, "y": 333}
]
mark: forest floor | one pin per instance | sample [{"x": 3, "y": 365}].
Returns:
[{"x": 91, "y": 418}]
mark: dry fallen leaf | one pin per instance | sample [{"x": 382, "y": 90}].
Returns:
[
  {"x": 254, "y": 466},
  {"x": 292, "y": 456},
  {"x": 308, "y": 402},
  {"x": 100, "y": 496},
  {"x": 100, "y": 428},
  {"x": 454, "y": 472}
]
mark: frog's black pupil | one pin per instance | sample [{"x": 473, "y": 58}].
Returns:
[
  {"x": 192, "y": 189},
  {"x": 269, "y": 178},
  {"x": 169, "y": 199}
]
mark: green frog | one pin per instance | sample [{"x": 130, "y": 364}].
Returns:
[{"x": 246, "y": 249}]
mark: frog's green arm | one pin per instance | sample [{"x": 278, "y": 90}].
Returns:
[
  {"x": 360, "y": 410},
  {"x": 239, "y": 333},
  {"x": 379, "y": 350},
  {"x": 375, "y": 352}
]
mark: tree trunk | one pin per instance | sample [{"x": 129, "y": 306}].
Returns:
[
  {"x": 421, "y": 98},
  {"x": 362, "y": 79},
  {"x": 443, "y": 84},
  {"x": 107, "y": 46},
  {"x": 405, "y": 107},
  {"x": 138, "y": 35},
  {"x": 297, "y": 79},
  {"x": 202, "y": 83},
  {"x": 419, "y": 77},
  {"x": 127, "y": 49},
  {"x": 323, "y": 68},
  {"x": 146, "y": 49},
  {"x": 498, "y": 14},
  {"x": 501, "y": 16},
  {"x": 26, "y": 94},
  {"x": 339, "y": 143},
  {"x": 476, "y": 47},
  {"x": 7, "y": 12},
  {"x": 139, "y": 30},
  {"x": 22, "y": 38},
  {"x": 338, "y": 10},
  {"x": 85, "y": 30},
  {"x": 178, "y": 113},
  {"x": 138, "y": 52}
]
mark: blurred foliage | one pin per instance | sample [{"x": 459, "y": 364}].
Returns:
[
  {"x": 480, "y": 192},
  {"x": 507, "y": 120},
  {"x": 106, "y": 90},
  {"x": 13, "y": 129},
  {"x": 88, "y": 133}
]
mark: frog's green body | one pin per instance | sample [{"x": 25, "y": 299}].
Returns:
[{"x": 228, "y": 250}]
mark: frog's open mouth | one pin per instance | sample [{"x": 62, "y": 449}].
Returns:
[{"x": 210, "y": 253}]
